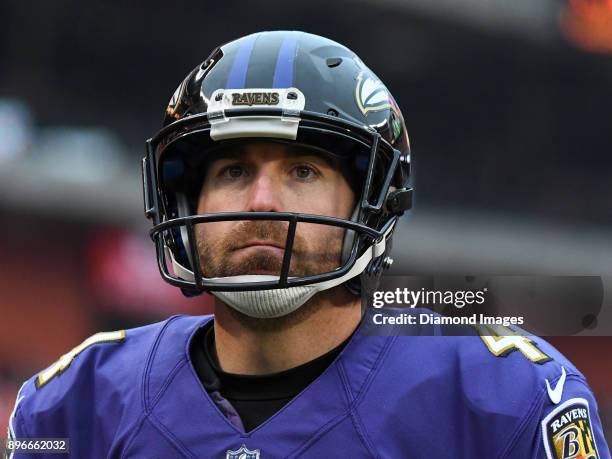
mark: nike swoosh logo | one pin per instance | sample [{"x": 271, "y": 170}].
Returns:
[{"x": 555, "y": 394}]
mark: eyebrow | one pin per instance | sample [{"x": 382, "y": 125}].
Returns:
[
  {"x": 238, "y": 151},
  {"x": 328, "y": 158}
]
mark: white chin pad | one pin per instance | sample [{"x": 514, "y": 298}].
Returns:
[{"x": 267, "y": 304}]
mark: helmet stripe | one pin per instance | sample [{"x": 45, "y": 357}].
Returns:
[
  {"x": 283, "y": 74},
  {"x": 263, "y": 60},
  {"x": 240, "y": 66}
]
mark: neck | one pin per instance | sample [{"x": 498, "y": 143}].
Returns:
[{"x": 251, "y": 346}]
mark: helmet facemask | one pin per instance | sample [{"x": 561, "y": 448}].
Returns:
[{"x": 367, "y": 230}]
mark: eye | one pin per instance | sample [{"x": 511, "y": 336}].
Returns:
[
  {"x": 304, "y": 172},
  {"x": 233, "y": 172}
]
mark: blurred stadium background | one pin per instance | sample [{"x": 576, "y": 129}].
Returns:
[{"x": 509, "y": 106}]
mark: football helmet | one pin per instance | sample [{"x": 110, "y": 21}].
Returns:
[{"x": 291, "y": 87}]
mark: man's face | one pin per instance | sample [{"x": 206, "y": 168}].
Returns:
[{"x": 271, "y": 177}]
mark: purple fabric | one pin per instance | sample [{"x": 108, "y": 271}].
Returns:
[{"x": 384, "y": 396}]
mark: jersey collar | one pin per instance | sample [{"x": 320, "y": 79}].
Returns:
[{"x": 178, "y": 405}]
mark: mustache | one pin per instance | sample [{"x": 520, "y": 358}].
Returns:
[{"x": 274, "y": 232}]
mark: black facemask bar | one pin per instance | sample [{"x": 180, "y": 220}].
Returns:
[
  {"x": 365, "y": 235},
  {"x": 371, "y": 203}
]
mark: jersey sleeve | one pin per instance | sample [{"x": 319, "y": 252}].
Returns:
[
  {"x": 70, "y": 399},
  {"x": 17, "y": 429},
  {"x": 563, "y": 423},
  {"x": 14, "y": 428}
]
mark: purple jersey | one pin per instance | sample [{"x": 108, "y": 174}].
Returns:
[{"x": 135, "y": 394}]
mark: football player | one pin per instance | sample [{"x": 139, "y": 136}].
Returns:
[{"x": 275, "y": 184}]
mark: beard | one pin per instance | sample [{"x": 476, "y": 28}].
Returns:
[{"x": 218, "y": 258}]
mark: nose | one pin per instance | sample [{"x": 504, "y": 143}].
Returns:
[{"x": 264, "y": 194}]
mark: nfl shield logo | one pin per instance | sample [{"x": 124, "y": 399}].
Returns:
[{"x": 242, "y": 453}]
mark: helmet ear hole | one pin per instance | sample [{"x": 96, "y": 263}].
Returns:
[{"x": 399, "y": 201}]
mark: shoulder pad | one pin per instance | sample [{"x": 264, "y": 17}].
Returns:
[{"x": 103, "y": 372}]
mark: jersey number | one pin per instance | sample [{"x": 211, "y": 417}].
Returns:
[
  {"x": 502, "y": 342},
  {"x": 65, "y": 360}
]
